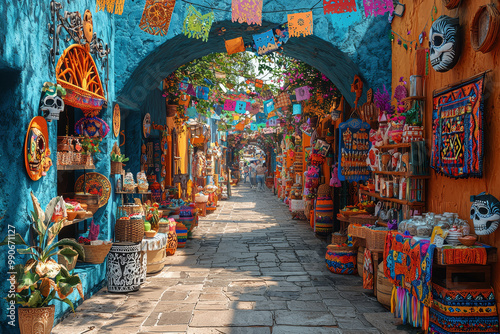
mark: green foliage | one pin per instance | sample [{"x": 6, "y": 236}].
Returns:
[{"x": 41, "y": 278}]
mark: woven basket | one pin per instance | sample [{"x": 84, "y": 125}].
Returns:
[
  {"x": 362, "y": 232},
  {"x": 79, "y": 159},
  {"x": 375, "y": 239},
  {"x": 130, "y": 209},
  {"x": 64, "y": 158},
  {"x": 116, "y": 167},
  {"x": 487, "y": 13},
  {"x": 131, "y": 230},
  {"x": 96, "y": 254},
  {"x": 324, "y": 190},
  {"x": 338, "y": 239},
  {"x": 363, "y": 219}
]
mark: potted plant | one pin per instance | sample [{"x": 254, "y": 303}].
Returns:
[
  {"x": 172, "y": 93},
  {"x": 117, "y": 160},
  {"x": 90, "y": 146},
  {"x": 41, "y": 279}
]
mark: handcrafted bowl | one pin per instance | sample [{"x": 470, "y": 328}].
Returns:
[
  {"x": 80, "y": 214},
  {"x": 72, "y": 214},
  {"x": 468, "y": 240}
]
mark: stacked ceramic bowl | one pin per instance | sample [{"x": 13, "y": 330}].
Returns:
[{"x": 453, "y": 236}]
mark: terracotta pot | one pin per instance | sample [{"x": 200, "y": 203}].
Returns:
[{"x": 36, "y": 320}]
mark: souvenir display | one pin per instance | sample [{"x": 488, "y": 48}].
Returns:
[
  {"x": 444, "y": 43},
  {"x": 36, "y": 149},
  {"x": 142, "y": 182},
  {"x": 94, "y": 183},
  {"x": 354, "y": 146},
  {"x": 457, "y": 138},
  {"x": 116, "y": 120}
]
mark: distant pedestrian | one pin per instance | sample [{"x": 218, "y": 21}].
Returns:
[
  {"x": 253, "y": 174},
  {"x": 261, "y": 175}
]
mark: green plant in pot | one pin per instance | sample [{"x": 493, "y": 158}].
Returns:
[
  {"x": 40, "y": 279},
  {"x": 117, "y": 160}
]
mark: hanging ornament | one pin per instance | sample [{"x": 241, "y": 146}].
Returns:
[
  {"x": 196, "y": 25},
  {"x": 338, "y": 7},
  {"x": 300, "y": 24},
  {"x": 378, "y": 7},
  {"x": 249, "y": 11},
  {"x": 156, "y": 16},
  {"x": 265, "y": 43},
  {"x": 235, "y": 45}
]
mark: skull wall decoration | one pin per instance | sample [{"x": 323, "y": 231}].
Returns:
[
  {"x": 36, "y": 152},
  {"x": 485, "y": 212},
  {"x": 444, "y": 43},
  {"x": 51, "y": 102}
]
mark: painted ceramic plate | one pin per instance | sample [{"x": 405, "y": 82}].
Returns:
[
  {"x": 146, "y": 125},
  {"x": 116, "y": 120},
  {"x": 96, "y": 183}
]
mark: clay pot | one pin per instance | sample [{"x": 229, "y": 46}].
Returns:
[{"x": 36, "y": 320}]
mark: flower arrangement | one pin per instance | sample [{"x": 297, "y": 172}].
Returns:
[
  {"x": 90, "y": 145},
  {"x": 41, "y": 279}
]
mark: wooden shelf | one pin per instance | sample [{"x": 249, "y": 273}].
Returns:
[
  {"x": 76, "y": 221},
  {"x": 132, "y": 193},
  {"x": 404, "y": 174},
  {"x": 75, "y": 167},
  {"x": 393, "y": 146},
  {"x": 413, "y": 98},
  {"x": 390, "y": 199}
]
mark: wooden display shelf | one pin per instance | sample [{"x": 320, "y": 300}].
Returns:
[
  {"x": 75, "y": 167},
  {"x": 393, "y": 146},
  {"x": 76, "y": 221},
  {"x": 404, "y": 174},
  {"x": 390, "y": 199}
]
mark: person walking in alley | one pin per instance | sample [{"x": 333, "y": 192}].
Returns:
[
  {"x": 246, "y": 172},
  {"x": 253, "y": 174},
  {"x": 261, "y": 175}
]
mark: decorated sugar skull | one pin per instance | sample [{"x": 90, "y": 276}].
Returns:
[
  {"x": 52, "y": 103},
  {"x": 485, "y": 212},
  {"x": 444, "y": 43}
]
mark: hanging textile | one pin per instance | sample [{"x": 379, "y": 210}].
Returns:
[
  {"x": 265, "y": 43},
  {"x": 119, "y": 7},
  {"x": 283, "y": 100},
  {"x": 338, "y": 7},
  {"x": 268, "y": 106},
  {"x": 281, "y": 34},
  {"x": 297, "y": 109},
  {"x": 354, "y": 145},
  {"x": 368, "y": 270},
  {"x": 241, "y": 107},
  {"x": 302, "y": 93},
  {"x": 196, "y": 25},
  {"x": 249, "y": 11},
  {"x": 300, "y": 24},
  {"x": 156, "y": 16},
  {"x": 183, "y": 86},
  {"x": 229, "y": 105},
  {"x": 235, "y": 45},
  {"x": 190, "y": 90},
  {"x": 457, "y": 138},
  {"x": 378, "y": 7},
  {"x": 260, "y": 118},
  {"x": 202, "y": 92},
  {"x": 100, "y": 5}
]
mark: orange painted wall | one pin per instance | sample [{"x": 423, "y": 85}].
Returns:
[{"x": 443, "y": 193}]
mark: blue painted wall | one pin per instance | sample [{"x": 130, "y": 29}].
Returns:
[{"x": 24, "y": 67}]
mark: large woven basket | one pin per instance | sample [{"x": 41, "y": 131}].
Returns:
[
  {"x": 375, "y": 239},
  {"x": 96, "y": 254},
  {"x": 129, "y": 209},
  {"x": 131, "y": 230},
  {"x": 116, "y": 167},
  {"x": 324, "y": 190},
  {"x": 362, "y": 219},
  {"x": 483, "y": 38}
]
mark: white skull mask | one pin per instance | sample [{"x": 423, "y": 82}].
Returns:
[
  {"x": 52, "y": 106},
  {"x": 485, "y": 212},
  {"x": 444, "y": 43}
]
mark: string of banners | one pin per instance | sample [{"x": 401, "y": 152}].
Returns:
[{"x": 157, "y": 14}]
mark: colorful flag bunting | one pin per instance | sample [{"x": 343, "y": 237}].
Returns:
[
  {"x": 229, "y": 105},
  {"x": 339, "y": 6},
  {"x": 283, "y": 100},
  {"x": 273, "y": 121},
  {"x": 248, "y": 106},
  {"x": 191, "y": 112},
  {"x": 183, "y": 86},
  {"x": 271, "y": 114},
  {"x": 249, "y": 11},
  {"x": 281, "y": 34},
  {"x": 235, "y": 45},
  {"x": 190, "y": 90},
  {"x": 184, "y": 100},
  {"x": 255, "y": 108},
  {"x": 378, "y": 7},
  {"x": 253, "y": 127},
  {"x": 156, "y": 16},
  {"x": 241, "y": 107},
  {"x": 196, "y": 25},
  {"x": 260, "y": 118},
  {"x": 268, "y": 106},
  {"x": 265, "y": 43},
  {"x": 236, "y": 117},
  {"x": 202, "y": 92},
  {"x": 218, "y": 109},
  {"x": 303, "y": 93},
  {"x": 300, "y": 24},
  {"x": 297, "y": 109}
]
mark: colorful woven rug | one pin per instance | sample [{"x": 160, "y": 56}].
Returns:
[
  {"x": 465, "y": 255},
  {"x": 463, "y": 311},
  {"x": 408, "y": 264},
  {"x": 457, "y": 139}
]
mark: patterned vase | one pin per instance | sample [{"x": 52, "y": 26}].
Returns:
[
  {"x": 172, "y": 239},
  {"x": 181, "y": 232},
  {"x": 323, "y": 224},
  {"x": 36, "y": 320}
]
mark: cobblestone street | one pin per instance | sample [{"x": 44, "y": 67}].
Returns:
[{"x": 249, "y": 269}]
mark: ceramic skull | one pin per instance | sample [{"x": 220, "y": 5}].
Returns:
[
  {"x": 36, "y": 150},
  {"x": 52, "y": 103},
  {"x": 485, "y": 212},
  {"x": 444, "y": 43}
]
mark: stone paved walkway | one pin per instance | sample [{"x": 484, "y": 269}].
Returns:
[{"x": 249, "y": 269}]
